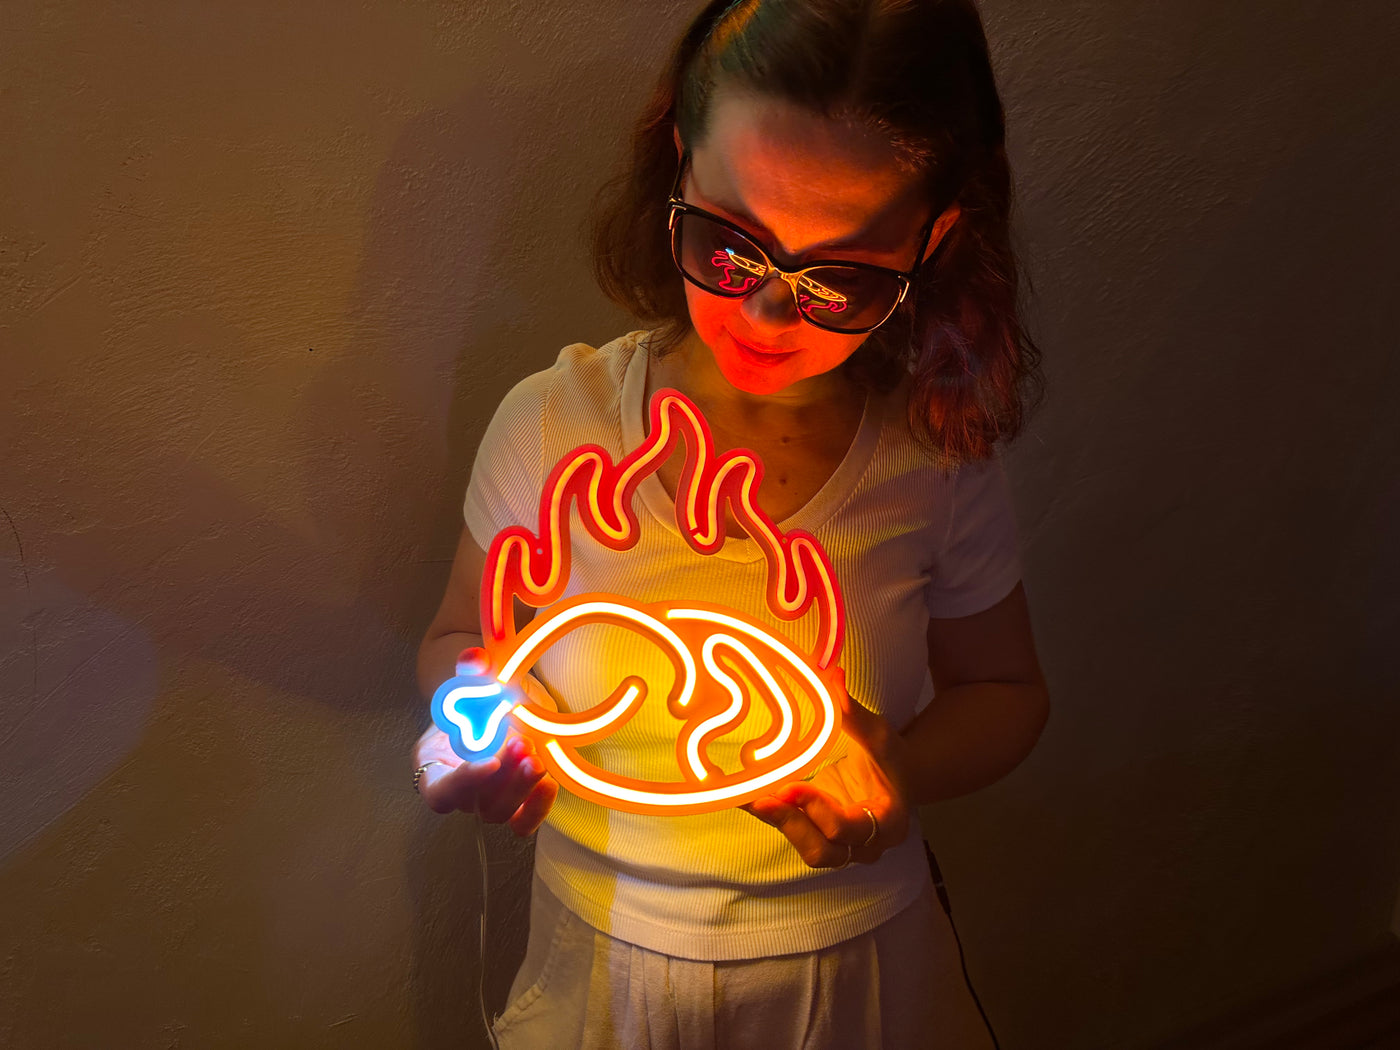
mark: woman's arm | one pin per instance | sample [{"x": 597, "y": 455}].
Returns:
[
  {"x": 989, "y": 706},
  {"x": 456, "y": 626}
]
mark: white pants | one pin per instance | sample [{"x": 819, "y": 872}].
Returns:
[{"x": 898, "y": 987}]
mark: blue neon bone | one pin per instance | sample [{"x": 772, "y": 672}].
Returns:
[{"x": 472, "y": 710}]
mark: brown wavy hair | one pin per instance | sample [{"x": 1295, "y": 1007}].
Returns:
[{"x": 917, "y": 71}]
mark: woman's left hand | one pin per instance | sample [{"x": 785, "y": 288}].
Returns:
[{"x": 826, "y": 818}]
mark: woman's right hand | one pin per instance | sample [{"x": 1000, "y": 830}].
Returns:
[{"x": 509, "y": 787}]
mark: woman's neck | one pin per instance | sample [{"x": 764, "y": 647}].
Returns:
[{"x": 691, "y": 369}]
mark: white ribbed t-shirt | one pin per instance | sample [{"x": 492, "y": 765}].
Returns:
[{"x": 907, "y": 540}]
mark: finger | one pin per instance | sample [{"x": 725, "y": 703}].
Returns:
[
  {"x": 837, "y": 821},
  {"x": 445, "y": 790},
  {"x": 500, "y": 800},
  {"x": 815, "y": 849},
  {"x": 498, "y": 796},
  {"x": 800, "y": 793},
  {"x": 507, "y": 759},
  {"x": 760, "y": 808},
  {"x": 766, "y": 809},
  {"x": 434, "y": 745},
  {"x": 853, "y": 823},
  {"x": 526, "y": 820}
]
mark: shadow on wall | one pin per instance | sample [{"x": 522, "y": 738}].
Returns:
[
  {"x": 312, "y": 579},
  {"x": 487, "y": 217},
  {"x": 476, "y": 271},
  {"x": 469, "y": 257}
]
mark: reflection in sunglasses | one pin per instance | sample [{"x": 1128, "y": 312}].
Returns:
[
  {"x": 728, "y": 260},
  {"x": 811, "y": 295}
]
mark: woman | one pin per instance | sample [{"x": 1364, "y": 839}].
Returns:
[{"x": 829, "y": 279}]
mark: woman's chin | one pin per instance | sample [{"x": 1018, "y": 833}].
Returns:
[
  {"x": 759, "y": 382},
  {"x": 754, "y": 372}
]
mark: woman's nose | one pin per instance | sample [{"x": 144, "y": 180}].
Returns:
[{"x": 772, "y": 304}]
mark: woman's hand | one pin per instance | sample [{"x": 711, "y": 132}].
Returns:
[
  {"x": 825, "y": 818},
  {"x": 509, "y": 787}
]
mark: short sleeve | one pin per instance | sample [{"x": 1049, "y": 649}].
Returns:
[
  {"x": 980, "y": 561},
  {"x": 504, "y": 489}
]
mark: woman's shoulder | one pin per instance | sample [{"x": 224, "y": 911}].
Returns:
[
  {"x": 594, "y": 374},
  {"x": 576, "y": 400},
  {"x": 903, "y": 451},
  {"x": 910, "y": 468},
  {"x": 579, "y": 375}
]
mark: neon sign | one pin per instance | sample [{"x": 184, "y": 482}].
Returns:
[{"x": 722, "y": 662}]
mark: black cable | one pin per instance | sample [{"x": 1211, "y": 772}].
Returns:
[{"x": 942, "y": 892}]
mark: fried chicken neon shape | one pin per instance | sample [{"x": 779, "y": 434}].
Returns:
[{"x": 722, "y": 661}]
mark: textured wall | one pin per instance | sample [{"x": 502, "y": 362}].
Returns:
[{"x": 265, "y": 270}]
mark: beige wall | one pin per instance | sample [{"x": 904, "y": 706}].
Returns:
[{"x": 265, "y": 269}]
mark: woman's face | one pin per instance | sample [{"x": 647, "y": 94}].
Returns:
[{"x": 805, "y": 188}]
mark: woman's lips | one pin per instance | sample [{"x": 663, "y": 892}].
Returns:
[{"x": 758, "y": 355}]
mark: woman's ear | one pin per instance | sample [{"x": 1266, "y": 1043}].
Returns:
[
  {"x": 680, "y": 146},
  {"x": 941, "y": 226}
]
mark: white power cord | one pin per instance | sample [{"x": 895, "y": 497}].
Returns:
[{"x": 481, "y": 928}]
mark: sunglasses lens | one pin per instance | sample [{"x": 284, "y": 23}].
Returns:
[
  {"x": 725, "y": 262},
  {"x": 716, "y": 257},
  {"x": 847, "y": 297}
]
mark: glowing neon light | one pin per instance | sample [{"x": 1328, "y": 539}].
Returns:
[
  {"x": 836, "y": 303},
  {"x": 728, "y": 260},
  {"x": 472, "y": 707},
  {"x": 535, "y": 566},
  {"x": 709, "y": 698}
]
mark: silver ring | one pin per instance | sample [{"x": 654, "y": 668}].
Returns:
[
  {"x": 849, "y": 853},
  {"x": 418, "y": 773},
  {"x": 874, "y": 827}
]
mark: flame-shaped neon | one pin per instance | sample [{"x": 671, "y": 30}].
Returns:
[
  {"x": 728, "y": 260},
  {"x": 535, "y": 566}
]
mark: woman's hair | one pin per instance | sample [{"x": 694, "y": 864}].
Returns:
[{"x": 915, "y": 70}]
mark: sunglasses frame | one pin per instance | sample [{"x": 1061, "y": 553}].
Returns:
[{"x": 679, "y": 207}]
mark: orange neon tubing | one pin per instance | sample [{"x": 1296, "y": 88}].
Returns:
[{"x": 720, "y": 659}]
